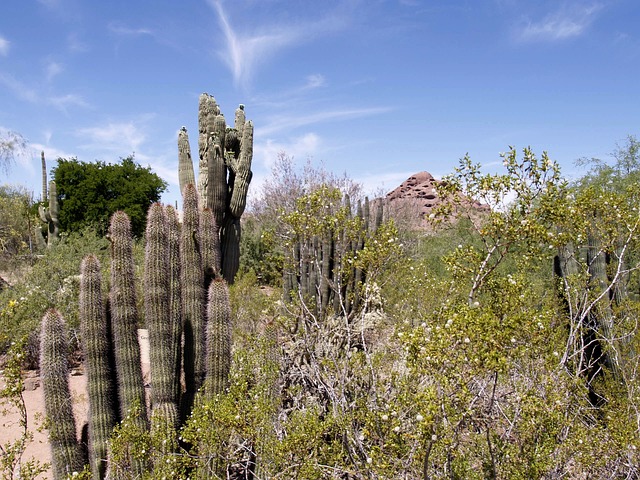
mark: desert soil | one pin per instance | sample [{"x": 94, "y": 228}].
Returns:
[{"x": 33, "y": 395}]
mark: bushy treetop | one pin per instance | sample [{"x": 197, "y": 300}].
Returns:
[{"x": 89, "y": 193}]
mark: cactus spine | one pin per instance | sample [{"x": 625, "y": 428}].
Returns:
[
  {"x": 97, "y": 349},
  {"x": 66, "y": 453},
  {"x": 218, "y": 339}
]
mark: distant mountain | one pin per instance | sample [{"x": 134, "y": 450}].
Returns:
[{"x": 415, "y": 199}]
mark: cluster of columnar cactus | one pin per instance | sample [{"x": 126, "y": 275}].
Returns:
[
  {"x": 321, "y": 263},
  {"x": 175, "y": 301},
  {"x": 225, "y": 155},
  {"x": 189, "y": 333}
]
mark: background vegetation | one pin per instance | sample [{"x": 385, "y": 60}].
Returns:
[{"x": 497, "y": 346}]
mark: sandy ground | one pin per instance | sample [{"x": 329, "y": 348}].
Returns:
[
  {"x": 38, "y": 448},
  {"x": 33, "y": 395}
]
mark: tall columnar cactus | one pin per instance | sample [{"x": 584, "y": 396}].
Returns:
[
  {"x": 96, "y": 334},
  {"x": 66, "y": 453},
  {"x": 224, "y": 175},
  {"x": 193, "y": 299},
  {"x": 161, "y": 331},
  {"x": 50, "y": 215},
  {"x": 218, "y": 339},
  {"x": 185, "y": 163},
  {"x": 124, "y": 317},
  {"x": 44, "y": 177},
  {"x": 175, "y": 295},
  {"x": 320, "y": 264}
]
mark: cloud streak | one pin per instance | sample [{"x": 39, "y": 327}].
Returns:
[
  {"x": 113, "y": 137},
  {"x": 283, "y": 122},
  {"x": 567, "y": 22},
  {"x": 4, "y": 46},
  {"x": 243, "y": 52}
]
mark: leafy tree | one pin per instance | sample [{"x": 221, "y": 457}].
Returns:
[
  {"x": 11, "y": 143},
  {"x": 90, "y": 192},
  {"x": 15, "y": 220}
]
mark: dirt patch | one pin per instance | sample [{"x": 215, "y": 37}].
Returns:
[{"x": 33, "y": 395}]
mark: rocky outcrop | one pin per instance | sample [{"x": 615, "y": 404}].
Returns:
[{"x": 417, "y": 197}]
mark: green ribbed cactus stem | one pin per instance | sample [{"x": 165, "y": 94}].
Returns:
[
  {"x": 242, "y": 174},
  {"x": 210, "y": 246},
  {"x": 124, "y": 318},
  {"x": 50, "y": 215},
  {"x": 44, "y": 176},
  {"x": 218, "y": 189},
  {"x": 185, "y": 162},
  {"x": 164, "y": 423},
  {"x": 175, "y": 294},
  {"x": 207, "y": 111},
  {"x": 156, "y": 301},
  {"x": 326, "y": 276},
  {"x": 96, "y": 334},
  {"x": 193, "y": 299},
  {"x": 66, "y": 453},
  {"x": 239, "y": 119},
  {"x": 218, "y": 339},
  {"x": 230, "y": 246}
]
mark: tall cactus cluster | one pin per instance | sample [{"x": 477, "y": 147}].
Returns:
[
  {"x": 225, "y": 155},
  {"x": 321, "y": 264},
  {"x": 186, "y": 307}
]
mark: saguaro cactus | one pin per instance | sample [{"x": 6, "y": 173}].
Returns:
[
  {"x": 44, "y": 177},
  {"x": 96, "y": 334},
  {"x": 66, "y": 453},
  {"x": 50, "y": 215},
  {"x": 185, "y": 163},
  {"x": 224, "y": 174}
]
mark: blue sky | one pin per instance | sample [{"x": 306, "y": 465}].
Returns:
[{"x": 376, "y": 89}]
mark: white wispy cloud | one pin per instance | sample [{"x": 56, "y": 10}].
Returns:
[
  {"x": 570, "y": 20},
  {"x": 19, "y": 89},
  {"x": 244, "y": 51},
  {"x": 113, "y": 137},
  {"x": 314, "y": 81},
  {"x": 284, "y": 122},
  {"x": 33, "y": 95},
  {"x": 302, "y": 147},
  {"x": 62, "y": 102},
  {"x": 120, "y": 29},
  {"x": 4, "y": 46},
  {"x": 52, "y": 69}
]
